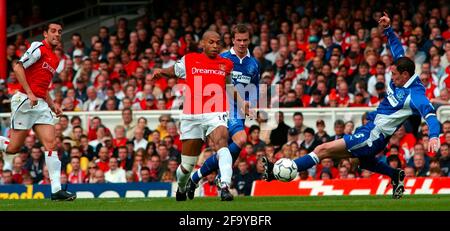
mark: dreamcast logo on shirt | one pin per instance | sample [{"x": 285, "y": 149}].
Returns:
[
  {"x": 207, "y": 71},
  {"x": 47, "y": 66}
]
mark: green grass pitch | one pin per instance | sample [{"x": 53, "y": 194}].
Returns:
[{"x": 323, "y": 203}]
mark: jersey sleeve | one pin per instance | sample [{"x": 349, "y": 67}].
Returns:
[
  {"x": 180, "y": 68},
  {"x": 60, "y": 67},
  {"x": 394, "y": 44},
  {"x": 421, "y": 103},
  {"x": 230, "y": 66},
  {"x": 32, "y": 55}
]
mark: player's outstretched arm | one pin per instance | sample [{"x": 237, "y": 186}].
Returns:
[
  {"x": 177, "y": 70},
  {"x": 428, "y": 113},
  {"x": 394, "y": 43},
  {"x": 20, "y": 75},
  {"x": 164, "y": 72}
]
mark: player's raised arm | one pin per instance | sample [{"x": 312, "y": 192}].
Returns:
[
  {"x": 427, "y": 111},
  {"x": 177, "y": 70},
  {"x": 394, "y": 43}
]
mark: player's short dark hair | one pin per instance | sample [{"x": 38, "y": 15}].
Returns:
[
  {"x": 239, "y": 29},
  {"x": 405, "y": 64},
  {"x": 47, "y": 25},
  {"x": 145, "y": 168}
]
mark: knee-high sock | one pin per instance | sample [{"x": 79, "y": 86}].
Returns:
[
  {"x": 225, "y": 165},
  {"x": 54, "y": 170},
  {"x": 212, "y": 164},
  {"x": 306, "y": 162},
  {"x": 374, "y": 165},
  {"x": 188, "y": 163}
]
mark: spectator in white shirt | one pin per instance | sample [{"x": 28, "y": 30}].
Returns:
[
  {"x": 139, "y": 141},
  {"x": 115, "y": 174}
]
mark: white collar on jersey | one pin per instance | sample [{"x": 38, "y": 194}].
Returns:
[
  {"x": 410, "y": 81},
  {"x": 234, "y": 52}
]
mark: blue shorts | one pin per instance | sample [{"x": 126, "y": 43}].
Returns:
[
  {"x": 235, "y": 126},
  {"x": 366, "y": 141}
]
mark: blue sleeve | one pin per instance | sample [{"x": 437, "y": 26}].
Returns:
[
  {"x": 371, "y": 116},
  {"x": 394, "y": 44},
  {"x": 427, "y": 111}
]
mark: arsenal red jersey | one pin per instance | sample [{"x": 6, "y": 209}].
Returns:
[
  {"x": 40, "y": 63},
  {"x": 205, "y": 83}
]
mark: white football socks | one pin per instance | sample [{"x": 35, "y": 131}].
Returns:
[
  {"x": 188, "y": 163},
  {"x": 54, "y": 169},
  {"x": 225, "y": 165}
]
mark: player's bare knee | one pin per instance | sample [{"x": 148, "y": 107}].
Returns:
[
  {"x": 221, "y": 143},
  {"x": 11, "y": 150}
]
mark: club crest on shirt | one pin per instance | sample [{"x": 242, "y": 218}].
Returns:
[
  {"x": 400, "y": 94},
  {"x": 222, "y": 67}
]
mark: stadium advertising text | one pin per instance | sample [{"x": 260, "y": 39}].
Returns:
[
  {"x": 127, "y": 190},
  {"x": 413, "y": 186}
]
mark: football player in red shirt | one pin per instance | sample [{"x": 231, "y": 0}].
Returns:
[
  {"x": 204, "y": 113},
  {"x": 32, "y": 105}
]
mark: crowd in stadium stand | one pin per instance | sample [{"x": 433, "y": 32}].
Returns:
[{"x": 330, "y": 54}]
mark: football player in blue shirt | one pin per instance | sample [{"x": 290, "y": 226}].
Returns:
[{"x": 405, "y": 97}]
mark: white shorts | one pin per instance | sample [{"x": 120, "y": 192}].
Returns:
[
  {"x": 23, "y": 117},
  {"x": 199, "y": 126}
]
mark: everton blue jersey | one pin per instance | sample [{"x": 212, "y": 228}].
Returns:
[
  {"x": 402, "y": 102},
  {"x": 245, "y": 76}
]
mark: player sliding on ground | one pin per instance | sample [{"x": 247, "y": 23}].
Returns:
[
  {"x": 31, "y": 106},
  {"x": 405, "y": 97},
  {"x": 204, "y": 110}
]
